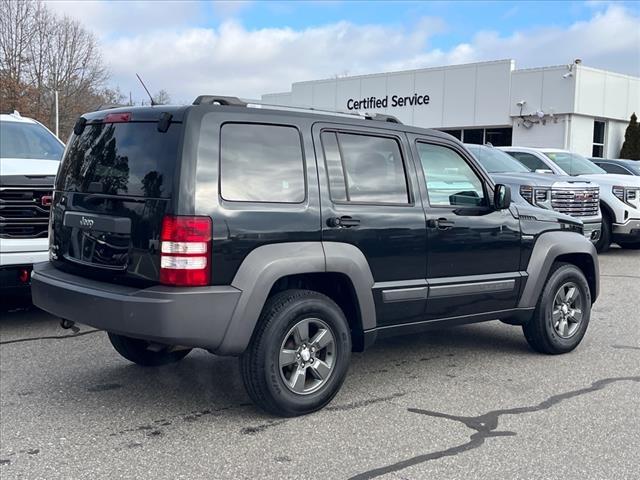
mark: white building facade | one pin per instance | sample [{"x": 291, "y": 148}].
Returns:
[{"x": 574, "y": 107}]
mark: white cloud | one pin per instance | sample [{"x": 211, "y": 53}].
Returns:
[
  {"x": 231, "y": 60},
  {"x": 609, "y": 40}
]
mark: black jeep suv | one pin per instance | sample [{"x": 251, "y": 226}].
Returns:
[{"x": 292, "y": 238}]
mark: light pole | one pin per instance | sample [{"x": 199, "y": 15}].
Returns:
[{"x": 57, "y": 114}]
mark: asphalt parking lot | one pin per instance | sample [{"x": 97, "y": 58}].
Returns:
[{"x": 470, "y": 402}]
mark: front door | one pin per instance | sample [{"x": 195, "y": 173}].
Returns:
[
  {"x": 370, "y": 199},
  {"x": 473, "y": 250}
]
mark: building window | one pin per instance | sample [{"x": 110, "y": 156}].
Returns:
[
  {"x": 474, "y": 135},
  {"x": 455, "y": 133},
  {"x": 598, "y": 139},
  {"x": 498, "y": 137}
]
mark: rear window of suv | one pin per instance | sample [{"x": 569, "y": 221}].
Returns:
[
  {"x": 121, "y": 159},
  {"x": 261, "y": 163}
]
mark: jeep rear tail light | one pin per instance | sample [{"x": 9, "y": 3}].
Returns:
[{"x": 185, "y": 248}]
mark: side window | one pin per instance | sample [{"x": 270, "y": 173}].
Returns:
[
  {"x": 365, "y": 168},
  {"x": 337, "y": 183},
  {"x": 530, "y": 161},
  {"x": 261, "y": 163},
  {"x": 450, "y": 179},
  {"x": 611, "y": 168}
]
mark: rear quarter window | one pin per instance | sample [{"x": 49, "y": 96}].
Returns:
[{"x": 261, "y": 163}]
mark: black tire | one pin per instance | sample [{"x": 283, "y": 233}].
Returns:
[
  {"x": 540, "y": 331},
  {"x": 630, "y": 245},
  {"x": 604, "y": 242},
  {"x": 262, "y": 373},
  {"x": 136, "y": 351}
]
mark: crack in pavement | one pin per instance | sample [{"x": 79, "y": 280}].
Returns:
[
  {"x": 485, "y": 426},
  {"x": 364, "y": 403},
  {"x": 253, "y": 430},
  {"x": 51, "y": 337},
  {"x": 618, "y": 276},
  {"x": 625, "y": 347}
]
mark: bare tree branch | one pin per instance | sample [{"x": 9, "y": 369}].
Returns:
[{"x": 41, "y": 53}]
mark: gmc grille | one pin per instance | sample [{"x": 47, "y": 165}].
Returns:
[
  {"x": 577, "y": 202},
  {"x": 24, "y": 213}
]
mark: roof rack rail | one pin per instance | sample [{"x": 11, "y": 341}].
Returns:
[
  {"x": 275, "y": 106},
  {"x": 220, "y": 100},
  {"x": 382, "y": 117},
  {"x": 367, "y": 116}
]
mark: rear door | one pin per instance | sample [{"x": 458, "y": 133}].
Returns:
[
  {"x": 369, "y": 198},
  {"x": 114, "y": 186}
]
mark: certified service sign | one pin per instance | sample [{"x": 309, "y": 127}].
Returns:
[{"x": 396, "y": 101}]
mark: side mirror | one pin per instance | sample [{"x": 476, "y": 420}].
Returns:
[
  {"x": 501, "y": 197},
  {"x": 543, "y": 170}
]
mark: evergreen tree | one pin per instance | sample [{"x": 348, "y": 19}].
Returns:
[{"x": 631, "y": 146}]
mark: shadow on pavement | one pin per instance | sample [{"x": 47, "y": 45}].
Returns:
[{"x": 206, "y": 385}]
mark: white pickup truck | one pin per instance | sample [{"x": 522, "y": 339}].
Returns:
[
  {"x": 29, "y": 158},
  {"x": 619, "y": 194}
]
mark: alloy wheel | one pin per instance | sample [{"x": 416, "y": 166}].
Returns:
[
  {"x": 307, "y": 356},
  {"x": 567, "y": 310}
]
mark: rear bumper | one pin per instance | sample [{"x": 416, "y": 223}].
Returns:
[{"x": 194, "y": 317}]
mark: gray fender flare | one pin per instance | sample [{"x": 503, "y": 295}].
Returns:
[
  {"x": 263, "y": 266},
  {"x": 349, "y": 260},
  {"x": 547, "y": 249}
]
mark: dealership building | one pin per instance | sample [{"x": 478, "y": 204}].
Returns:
[{"x": 575, "y": 107}]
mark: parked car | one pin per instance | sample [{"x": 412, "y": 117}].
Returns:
[
  {"x": 291, "y": 238},
  {"x": 618, "y": 166},
  {"x": 29, "y": 158},
  {"x": 544, "y": 191},
  {"x": 619, "y": 194}
]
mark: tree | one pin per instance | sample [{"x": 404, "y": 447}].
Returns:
[
  {"x": 16, "y": 35},
  {"x": 631, "y": 146},
  {"x": 162, "y": 98},
  {"x": 40, "y": 54}
]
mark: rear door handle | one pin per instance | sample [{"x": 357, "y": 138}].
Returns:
[
  {"x": 343, "y": 222},
  {"x": 440, "y": 223}
]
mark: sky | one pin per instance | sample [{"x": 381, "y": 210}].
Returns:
[{"x": 248, "y": 48}]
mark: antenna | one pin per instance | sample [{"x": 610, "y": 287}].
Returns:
[{"x": 153, "y": 103}]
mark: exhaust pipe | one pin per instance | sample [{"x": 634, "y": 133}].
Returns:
[{"x": 68, "y": 324}]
